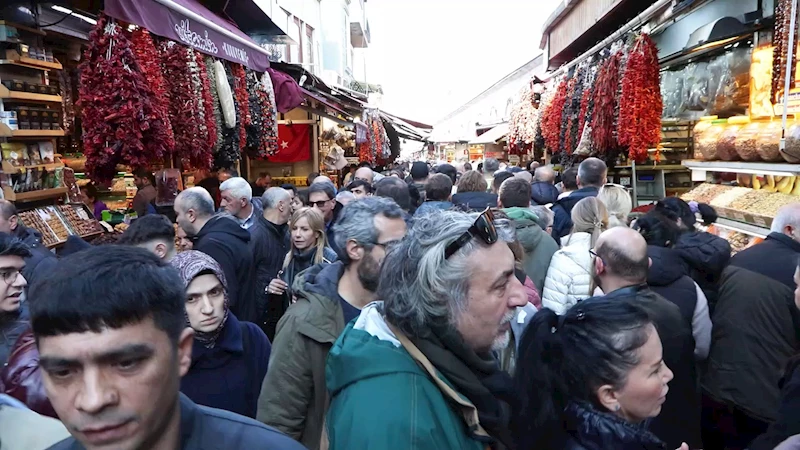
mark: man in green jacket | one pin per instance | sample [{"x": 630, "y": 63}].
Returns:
[
  {"x": 294, "y": 397},
  {"x": 515, "y": 199},
  {"x": 415, "y": 370}
]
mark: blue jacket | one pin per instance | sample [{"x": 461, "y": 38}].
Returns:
[
  {"x": 229, "y": 375},
  {"x": 432, "y": 206},
  {"x": 562, "y": 222},
  {"x": 204, "y": 428}
]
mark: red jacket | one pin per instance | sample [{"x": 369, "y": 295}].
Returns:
[{"x": 21, "y": 378}]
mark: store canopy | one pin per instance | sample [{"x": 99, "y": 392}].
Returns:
[
  {"x": 190, "y": 23},
  {"x": 492, "y": 136}
]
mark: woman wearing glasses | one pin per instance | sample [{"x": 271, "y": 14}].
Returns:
[
  {"x": 309, "y": 247},
  {"x": 569, "y": 278},
  {"x": 590, "y": 379}
]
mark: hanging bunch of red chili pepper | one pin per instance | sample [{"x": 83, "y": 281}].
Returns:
[
  {"x": 121, "y": 125},
  {"x": 145, "y": 51},
  {"x": 242, "y": 101},
  {"x": 567, "y": 113},
  {"x": 640, "y": 106},
  {"x": 551, "y": 119},
  {"x": 208, "y": 106},
  {"x": 602, "y": 121},
  {"x": 183, "y": 105},
  {"x": 200, "y": 157}
]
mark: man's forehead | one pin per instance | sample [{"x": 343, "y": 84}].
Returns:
[
  {"x": 87, "y": 345},
  {"x": 319, "y": 196},
  {"x": 391, "y": 228},
  {"x": 11, "y": 261}
]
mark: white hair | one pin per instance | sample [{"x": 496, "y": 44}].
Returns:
[
  {"x": 788, "y": 215},
  {"x": 273, "y": 196},
  {"x": 238, "y": 187},
  {"x": 618, "y": 203},
  {"x": 197, "y": 199}
]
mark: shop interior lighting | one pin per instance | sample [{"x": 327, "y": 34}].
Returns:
[{"x": 70, "y": 12}]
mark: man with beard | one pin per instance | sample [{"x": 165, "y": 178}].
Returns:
[
  {"x": 294, "y": 397},
  {"x": 146, "y": 192},
  {"x": 417, "y": 370}
]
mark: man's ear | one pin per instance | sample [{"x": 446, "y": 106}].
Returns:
[
  {"x": 354, "y": 251},
  {"x": 185, "y": 341},
  {"x": 161, "y": 250},
  {"x": 12, "y": 222}
]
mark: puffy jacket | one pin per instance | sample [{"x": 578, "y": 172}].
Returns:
[
  {"x": 562, "y": 220},
  {"x": 706, "y": 256},
  {"x": 569, "y": 278},
  {"x": 294, "y": 397},
  {"x": 586, "y": 428},
  {"x": 756, "y": 328},
  {"x": 543, "y": 193},
  {"x": 383, "y": 399},
  {"x": 475, "y": 201},
  {"x": 269, "y": 245},
  {"x": 21, "y": 378},
  {"x": 787, "y": 423},
  {"x": 539, "y": 246},
  {"x": 224, "y": 240}
]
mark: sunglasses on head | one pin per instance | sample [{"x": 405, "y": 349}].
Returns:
[{"x": 483, "y": 228}]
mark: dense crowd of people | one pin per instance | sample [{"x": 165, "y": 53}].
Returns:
[{"x": 421, "y": 306}]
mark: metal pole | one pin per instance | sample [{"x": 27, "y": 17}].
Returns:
[{"x": 789, "y": 74}]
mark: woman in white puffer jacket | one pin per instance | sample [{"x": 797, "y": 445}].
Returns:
[{"x": 569, "y": 278}]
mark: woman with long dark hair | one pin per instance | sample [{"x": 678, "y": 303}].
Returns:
[{"x": 590, "y": 379}]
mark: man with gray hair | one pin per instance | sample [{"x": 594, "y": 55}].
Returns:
[
  {"x": 543, "y": 189},
  {"x": 449, "y": 295},
  {"x": 269, "y": 244},
  {"x": 220, "y": 237},
  {"x": 237, "y": 200},
  {"x": 756, "y": 298},
  {"x": 490, "y": 167},
  {"x": 294, "y": 396},
  {"x": 592, "y": 174}
]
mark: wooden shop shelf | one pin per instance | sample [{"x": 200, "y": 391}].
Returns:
[
  {"x": 31, "y": 196},
  {"x": 7, "y": 94}
]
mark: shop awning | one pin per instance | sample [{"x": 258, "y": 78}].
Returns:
[
  {"x": 492, "y": 136},
  {"x": 190, "y": 23}
]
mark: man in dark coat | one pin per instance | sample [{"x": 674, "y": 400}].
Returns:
[
  {"x": 543, "y": 189},
  {"x": 591, "y": 177},
  {"x": 220, "y": 237},
  {"x": 620, "y": 270},
  {"x": 755, "y": 333},
  {"x": 40, "y": 261},
  {"x": 270, "y": 243}
]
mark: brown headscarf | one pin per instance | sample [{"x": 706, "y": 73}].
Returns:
[{"x": 190, "y": 264}]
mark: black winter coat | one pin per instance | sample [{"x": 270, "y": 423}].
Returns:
[
  {"x": 705, "y": 257},
  {"x": 668, "y": 279},
  {"x": 12, "y": 325},
  {"x": 42, "y": 261},
  {"x": 474, "y": 201},
  {"x": 788, "y": 422},
  {"x": 562, "y": 221},
  {"x": 679, "y": 420},
  {"x": 223, "y": 239},
  {"x": 587, "y": 428},
  {"x": 543, "y": 193},
  {"x": 756, "y": 326},
  {"x": 269, "y": 245}
]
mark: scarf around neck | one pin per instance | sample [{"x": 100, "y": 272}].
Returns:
[
  {"x": 476, "y": 376},
  {"x": 190, "y": 264}
]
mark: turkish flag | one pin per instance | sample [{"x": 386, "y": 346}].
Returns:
[{"x": 294, "y": 144}]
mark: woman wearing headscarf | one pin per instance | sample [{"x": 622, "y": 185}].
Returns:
[{"x": 229, "y": 357}]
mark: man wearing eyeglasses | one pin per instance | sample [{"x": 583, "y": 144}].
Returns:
[
  {"x": 448, "y": 296},
  {"x": 294, "y": 396},
  {"x": 12, "y": 261}
]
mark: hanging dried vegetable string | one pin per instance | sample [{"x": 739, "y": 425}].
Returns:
[
  {"x": 602, "y": 122},
  {"x": 551, "y": 121},
  {"x": 640, "y": 107},
  {"x": 781, "y": 50},
  {"x": 242, "y": 102},
  {"x": 266, "y": 96},
  {"x": 120, "y": 123},
  {"x": 216, "y": 113},
  {"x": 147, "y": 57},
  {"x": 201, "y": 157},
  {"x": 229, "y": 151},
  {"x": 254, "y": 148}
]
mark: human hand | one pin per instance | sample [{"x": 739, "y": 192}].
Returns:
[
  {"x": 684, "y": 446},
  {"x": 277, "y": 286},
  {"x": 793, "y": 443}
]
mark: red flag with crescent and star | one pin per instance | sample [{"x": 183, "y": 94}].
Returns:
[{"x": 294, "y": 144}]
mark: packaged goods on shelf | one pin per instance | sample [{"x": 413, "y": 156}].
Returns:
[
  {"x": 706, "y": 142},
  {"x": 768, "y": 141}
]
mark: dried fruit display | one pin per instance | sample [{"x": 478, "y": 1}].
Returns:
[
  {"x": 768, "y": 141},
  {"x": 727, "y": 197},
  {"x": 33, "y": 220},
  {"x": 781, "y": 51},
  {"x": 640, "y": 105},
  {"x": 79, "y": 219},
  {"x": 705, "y": 193},
  {"x": 726, "y": 144}
]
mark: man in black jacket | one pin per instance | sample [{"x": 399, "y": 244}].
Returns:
[
  {"x": 620, "y": 269},
  {"x": 591, "y": 177},
  {"x": 220, "y": 237},
  {"x": 755, "y": 333},
  {"x": 270, "y": 243},
  {"x": 40, "y": 261}
]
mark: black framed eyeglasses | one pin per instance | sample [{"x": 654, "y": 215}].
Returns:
[{"x": 483, "y": 228}]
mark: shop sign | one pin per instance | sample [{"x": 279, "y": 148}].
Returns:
[
  {"x": 166, "y": 22},
  {"x": 476, "y": 149},
  {"x": 513, "y": 159},
  {"x": 495, "y": 155}
]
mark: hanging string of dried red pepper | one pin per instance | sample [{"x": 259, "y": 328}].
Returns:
[
  {"x": 551, "y": 119},
  {"x": 145, "y": 51},
  {"x": 641, "y": 105},
  {"x": 183, "y": 106},
  {"x": 602, "y": 121}
]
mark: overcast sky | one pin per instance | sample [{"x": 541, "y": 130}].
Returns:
[{"x": 431, "y": 56}]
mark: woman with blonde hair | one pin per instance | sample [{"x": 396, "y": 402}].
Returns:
[
  {"x": 618, "y": 203},
  {"x": 569, "y": 278},
  {"x": 309, "y": 247}
]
